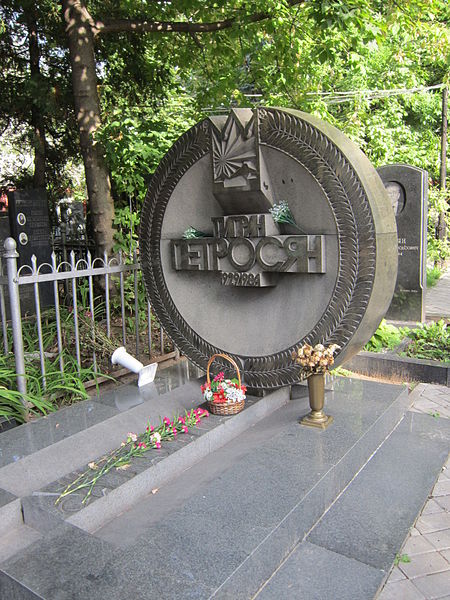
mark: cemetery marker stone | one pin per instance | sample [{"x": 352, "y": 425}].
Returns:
[
  {"x": 407, "y": 187},
  {"x": 245, "y": 284},
  {"x": 30, "y": 227}
]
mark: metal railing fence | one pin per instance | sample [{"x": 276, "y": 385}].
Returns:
[{"x": 90, "y": 304}]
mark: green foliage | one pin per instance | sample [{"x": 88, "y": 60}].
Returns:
[
  {"x": 49, "y": 91},
  {"x": 433, "y": 275},
  {"x": 402, "y": 558},
  {"x": 431, "y": 341},
  {"x": 135, "y": 138},
  {"x": 386, "y": 337},
  {"x": 321, "y": 57},
  {"x": 11, "y": 406},
  {"x": 437, "y": 250}
]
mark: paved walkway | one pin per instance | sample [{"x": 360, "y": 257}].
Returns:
[
  {"x": 437, "y": 302},
  {"x": 423, "y": 570}
]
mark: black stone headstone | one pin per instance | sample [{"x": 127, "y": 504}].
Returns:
[
  {"x": 30, "y": 227},
  {"x": 5, "y": 230},
  {"x": 407, "y": 187}
]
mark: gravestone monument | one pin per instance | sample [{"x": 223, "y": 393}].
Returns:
[
  {"x": 5, "y": 230},
  {"x": 245, "y": 284},
  {"x": 407, "y": 187},
  {"x": 30, "y": 227}
]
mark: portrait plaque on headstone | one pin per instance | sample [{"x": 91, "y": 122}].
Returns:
[
  {"x": 407, "y": 187},
  {"x": 224, "y": 274}
]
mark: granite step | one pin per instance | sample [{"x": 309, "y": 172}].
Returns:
[
  {"x": 10, "y": 511},
  {"x": 120, "y": 490},
  {"x": 351, "y": 549},
  {"x": 36, "y": 453},
  {"x": 224, "y": 526},
  {"x": 16, "y": 540}
]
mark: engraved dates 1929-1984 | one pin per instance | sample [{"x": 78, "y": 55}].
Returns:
[{"x": 249, "y": 251}]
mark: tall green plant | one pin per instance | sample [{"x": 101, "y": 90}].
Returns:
[{"x": 437, "y": 250}]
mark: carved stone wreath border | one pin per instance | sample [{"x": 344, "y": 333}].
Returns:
[{"x": 355, "y": 230}]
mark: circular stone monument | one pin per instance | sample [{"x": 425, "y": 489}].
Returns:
[{"x": 263, "y": 230}]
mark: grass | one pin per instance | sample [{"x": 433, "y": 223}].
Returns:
[
  {"x": 401, "y": 558},
  {"x": 386, "y": 337},
  {"x": 60, "y": 387},
  {"x": 429, "y": 341},
  {"x": 433, "y": 276},
  {"x": 65, "y": 387}
]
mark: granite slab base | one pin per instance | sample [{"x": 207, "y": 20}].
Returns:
[
  {"x": 228, "y": 525},
  {"x": 348, "y": 554}
]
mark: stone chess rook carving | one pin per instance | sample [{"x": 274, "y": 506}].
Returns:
[
  {"x": 240, "y": 180},
  {"x": 248, "y": 286}
]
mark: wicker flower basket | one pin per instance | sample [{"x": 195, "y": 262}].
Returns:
[{"x": 224, "y": 408}]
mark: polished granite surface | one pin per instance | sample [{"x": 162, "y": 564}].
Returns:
[
  {"x": 222, "y": 528},
  {"x": 22, "y": 441}
]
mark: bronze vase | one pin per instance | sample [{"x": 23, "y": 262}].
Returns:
[{"x": 316, "y": 389}]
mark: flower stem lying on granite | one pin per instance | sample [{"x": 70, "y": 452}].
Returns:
[{"x": 134, "y": 446}]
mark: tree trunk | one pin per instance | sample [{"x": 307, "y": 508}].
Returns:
[
  {"x": 37, "y": 119},
  {"x": 87, "y": 108}
]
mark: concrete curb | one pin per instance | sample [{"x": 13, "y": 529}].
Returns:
[{"x": 399, "y": 368}]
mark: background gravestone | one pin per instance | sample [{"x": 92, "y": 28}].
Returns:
[
  {"x": 5, "y": 230},
  {"x": 30, "y": 227},
  {"x": 407, "y": 187},
  {"x": 251, "y": 287}
]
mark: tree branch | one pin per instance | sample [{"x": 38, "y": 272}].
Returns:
[{"x": 144, "y": 26}]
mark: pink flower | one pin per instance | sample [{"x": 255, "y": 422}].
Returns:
[
  {"x": 185, "y": 429},
  {"x": 220, "y": 376},
  {"x": 158, "y": 445},
  {"x": 142, "y": 445}
]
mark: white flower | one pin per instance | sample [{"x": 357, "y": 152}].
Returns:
[
  {"x": 235, "y": 394},
  {"x": 208, "y": 394},
  {"x": 131, "y": 436},
  {"x": 155, "y": 438}
]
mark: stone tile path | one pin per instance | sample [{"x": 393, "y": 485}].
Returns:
[
  {"x": 437, "y": 303},
  {"x": 423, "y": 570}
]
